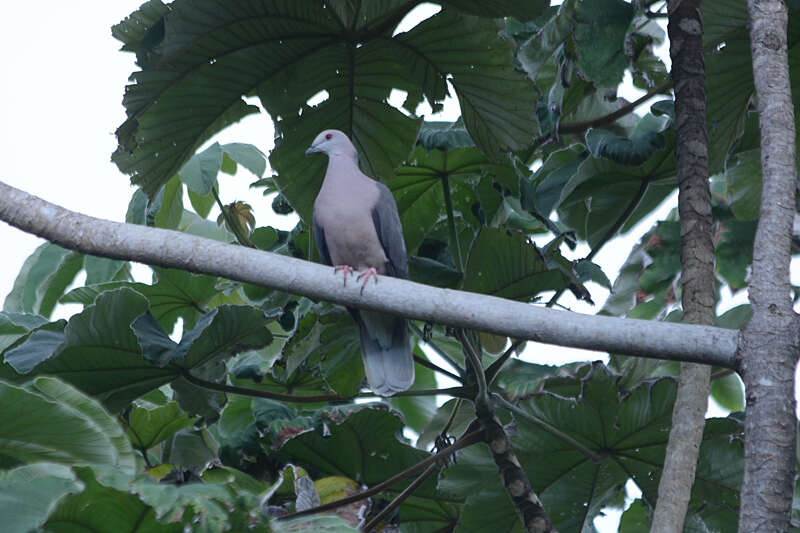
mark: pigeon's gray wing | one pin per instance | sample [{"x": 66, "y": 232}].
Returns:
[
  {"x": 390, "y": 232},
  {"x": 322, "y": 245}
]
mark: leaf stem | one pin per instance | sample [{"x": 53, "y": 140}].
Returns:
[
  {"x": 472, "y": 436},
  {"x": 451, "y": 221},
  {"x": 400, "y": 498},
  {"x": 493, "y": 369}
]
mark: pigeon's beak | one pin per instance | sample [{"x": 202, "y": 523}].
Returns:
[{"x": 311, "y": 149}]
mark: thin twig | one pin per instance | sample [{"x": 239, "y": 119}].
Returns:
[
  {"x": 427, "y": 364},
  {"x": 400, "y": 498},
  {"x": 482, "y": 405},
  {"x": 493, "y": 369},
  {"x": 577, "y": 127},
  {"x": 451, "y": 221},
  {"x": 232, "y": 389},
  {"x": 471, "y": 437},
  {"x": 441, "y": 353}
]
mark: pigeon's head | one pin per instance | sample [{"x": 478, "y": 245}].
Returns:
[{"x": 331, "y": 143}]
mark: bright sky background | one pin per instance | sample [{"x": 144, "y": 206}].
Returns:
[{"x": 61, "y": 100}]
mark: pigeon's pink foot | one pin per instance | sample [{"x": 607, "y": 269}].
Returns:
[
  {"x": 368, "y": 273},
  {"x": 348, "y": 270}
]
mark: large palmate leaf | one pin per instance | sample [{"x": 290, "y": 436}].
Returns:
[
  {"x": 616, "y": 435},
  {"x": 505, "y": 264},
  {"x": 436, "y": 163},
  {"x": 116, "y": 351},
  {"x": 174, "y": 294},
  {"x": 201, "y": 58}
]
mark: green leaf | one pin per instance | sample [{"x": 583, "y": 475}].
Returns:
[
  {"x": 58, "y": 424},
  {"x": 547, "y": 42},
  {"x": 635, "y": 519},
  {"x": 44, "y": 276},
  {"x": 202, "y": 204},
  {"x": 497, "y": 103},
  {"x": 500, "y": 8},
  {"x": 633, "y": 151},
  {"x": 418, "y": 189},
  {"x": 67, "y": 396},
  {"x": 321, "y": 523},
  {"x": 200, "y": 61},
  {"x": 148, "y": 427},
  {"x": 14, "y": 326},
  {"x": 600, "y": 36},
  {"x": 115, "y": 502},
  {"x": 519, "y": 378},
  {"x": 327, "y": 342},
  {"x": 591, "y": 200},
  {"x": 199, "y": 174},
  {"x": 167, "y": 207},
  {"x": 505, "y": 264},
  {"x": 175, "y": 294},
  {"x": 728, "y": 392},
  {"x": 626, "y": 430},
  {"x": 102, "y": 269},
  {"x": 743, "y": 179},
  {"x": 729, "y": 75},
  {"x": 98, "y": 354},
  {"x": 248, "y": 156},
  {"x": 29, "y": 493},
  {"x": 340, "y": 430}
]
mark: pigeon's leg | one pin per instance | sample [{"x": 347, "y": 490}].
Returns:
[
  {"x": 368, "y": 273},
  {"x": 348, "y": 270}
]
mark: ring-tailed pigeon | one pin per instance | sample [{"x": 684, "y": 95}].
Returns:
[{"x": 357, "y": 227}]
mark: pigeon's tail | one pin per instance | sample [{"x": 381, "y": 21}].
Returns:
[{"x": 386, "y": 352}]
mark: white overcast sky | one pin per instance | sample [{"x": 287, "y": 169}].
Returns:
[{"x": 61, "y": 92}]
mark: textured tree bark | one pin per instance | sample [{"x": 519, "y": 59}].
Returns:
[
  {"x": 769, "y": 343},
  {"x": 460, "y": 309},
  {"x": 697, "y": 260}
]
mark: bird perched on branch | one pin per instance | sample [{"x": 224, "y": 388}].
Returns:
[{"x": 357, "y": 228}]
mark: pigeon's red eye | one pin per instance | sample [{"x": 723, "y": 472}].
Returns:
[{"x": 328, "y": 136}]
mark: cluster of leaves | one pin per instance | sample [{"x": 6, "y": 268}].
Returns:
[{"x": 537, "y": 90}]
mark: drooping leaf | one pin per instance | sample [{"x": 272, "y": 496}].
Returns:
[
  {"x": 14, "y": 326},
  {"x": 29, "y": 493},
  {"x": 59, "y": 424},
  {"x": 44, "y": 276}
]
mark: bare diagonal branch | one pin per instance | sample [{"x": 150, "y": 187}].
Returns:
[{"x": 171, "y": 249}]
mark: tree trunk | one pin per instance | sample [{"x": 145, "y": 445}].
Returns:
[
  {"x": 768, "y": 347},
  {"x": 697, "y": 260}
]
